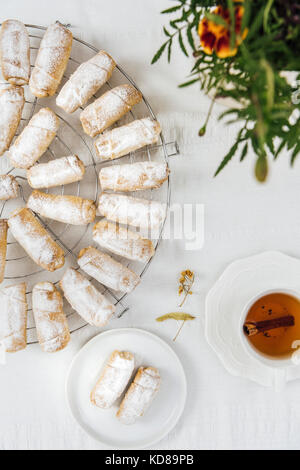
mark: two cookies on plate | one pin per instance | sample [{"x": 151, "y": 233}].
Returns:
[{"x": 113, "y": 381}]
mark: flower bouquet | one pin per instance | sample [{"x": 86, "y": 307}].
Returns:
[{"x": 243, "y": 51}]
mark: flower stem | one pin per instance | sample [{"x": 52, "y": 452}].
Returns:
[
  {"x": 203, "y": 128},
  {"x": 179, "y": 330}
]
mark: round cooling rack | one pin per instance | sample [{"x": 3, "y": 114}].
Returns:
[{"x": 70, "y": 140}]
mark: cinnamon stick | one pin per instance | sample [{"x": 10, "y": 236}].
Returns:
[{"x": 253, "y": 328}]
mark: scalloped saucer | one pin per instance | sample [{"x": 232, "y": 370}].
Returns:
[{"x": 242, "y": 281}]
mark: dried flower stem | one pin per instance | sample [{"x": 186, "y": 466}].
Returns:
[
  {"x": 179, "y": 330},
  {"x": 185, "y": 284}
]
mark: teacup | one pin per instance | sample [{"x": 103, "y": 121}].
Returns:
[{"x": 276, "y": 361}]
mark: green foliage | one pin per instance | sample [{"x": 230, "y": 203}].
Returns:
[{"x": 266, "y": 104}]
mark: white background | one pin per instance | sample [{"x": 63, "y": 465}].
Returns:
[{"x": 241, "y": 218}]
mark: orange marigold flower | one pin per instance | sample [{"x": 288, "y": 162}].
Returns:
[{"x": 216, "y": 37}]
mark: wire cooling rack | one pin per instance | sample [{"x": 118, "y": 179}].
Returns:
[{"x": 70, "y": 140}]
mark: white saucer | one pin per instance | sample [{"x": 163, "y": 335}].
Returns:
[
  {"x": 241, "y": 281},
  {"x": 103, "y": 425}
]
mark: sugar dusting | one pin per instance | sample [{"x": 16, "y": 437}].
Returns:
[
  {"x": 3, "y": 247},
  {"x": 35, "y": 240},
  {"x": 139, "y": 395},
  {"x": 14, "y": 51},
  {"x": 51, "y": 61},
  {"x": 9, "y": 188},
  {"x": 85, "y": 81},
  {"x": 67, "y": 209},
  {"x": 51, "y": 322},
  {"x": 34, "y": 139},
  {"x": 133, "y": 176},
  {"x": 106, "y": 270},
  {"x": 113, "y": 380},
  {"x": 13, "y": 317},
  {"x": 11, "y": 105},
  {"x": 117, "y": 142},
  {"x": 132, "y": 211},
  {"x": 122, "y": 241},
  {"x": 57, "y": 172},
  {"x": 88, "y": 302},
  {"x": 107, "y": 109}
]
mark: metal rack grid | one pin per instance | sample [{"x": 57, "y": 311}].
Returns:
[{"x": 62, "y": 146}]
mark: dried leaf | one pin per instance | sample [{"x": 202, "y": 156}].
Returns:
[{"x": 176, "y": 316}]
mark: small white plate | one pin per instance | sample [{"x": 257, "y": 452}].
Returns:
[{"x": 103, "y": 425}]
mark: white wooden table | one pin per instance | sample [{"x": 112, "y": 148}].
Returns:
[{"x": 241, "y": 218}]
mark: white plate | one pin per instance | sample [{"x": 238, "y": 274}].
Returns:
[{"x": 103, "y": 425}]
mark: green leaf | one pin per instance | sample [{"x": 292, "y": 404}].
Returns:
[
  {"x": 190, "y": 38},
  {"x": 227, "y": 113},
  {"x": 176, "y": 316},
  {"x": 266, "y": 15},
  {"x": 256, "y": 23},
  {"x": 244, "y": 152},
  {"x": 270, "y": 145},
  {"x": 171, "y": 10},
  {"x": 269, "y": 82},
  {"x": 280, "y": 148},
  {"x": 217, "y": 19},
  {"x": 295, "y": 154},
  {"x": 227, "y": 158},
  {"x": 169, "y": 50},
  {"x": 159, "y": 53},
  {"x": 197, "y": 64},
  {"x": 255, "y": 145},
  {"x": 182, "y": 85},
  {"x": 246, "y": 15},
  {"x": 181, "y": 43},
  {"x": 166, "y": 32},
  {"x": 174, "y": 24},
  {"x": 232, "y": 23}
]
